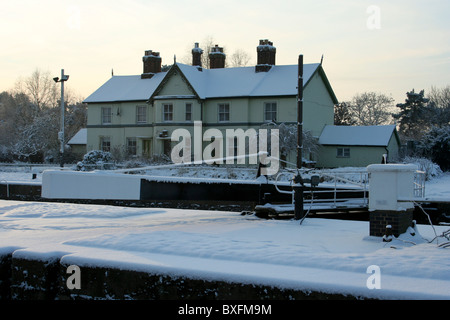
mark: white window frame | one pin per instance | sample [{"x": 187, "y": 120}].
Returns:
[
  {"x": 132, "y": 149},
  {"x": 105, "y": 143},
  {"x": 343, "y": 152},
  {"x": 188, "y": 113},
  {"x": 167, "y": 113},
  {"x": 225, "y": 112},
  {"x": 272, "y": 105},
  {"x": 106, "y": 115},
  {"x": 141, "y": 114}
]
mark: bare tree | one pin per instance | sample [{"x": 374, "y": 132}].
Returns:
[
  {"x": 41, "y": 90},
  {"x": 239, "y": 58},
  {"x": 440, "y": 105},
  {"x": 371, "y": 108}
]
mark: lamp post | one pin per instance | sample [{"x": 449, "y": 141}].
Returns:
[{"x": 61, "y": 132}]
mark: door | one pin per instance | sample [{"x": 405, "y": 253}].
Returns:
[{"x": 146, "y": 148}]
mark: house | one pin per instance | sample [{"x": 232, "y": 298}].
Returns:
[
  {"x": 78, "y": 143},
  {"x": 358, "y": 146},
  {"x": 140, "y": 112}
]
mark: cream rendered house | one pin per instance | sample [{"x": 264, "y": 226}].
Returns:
[{"x": 140, "y": 112}]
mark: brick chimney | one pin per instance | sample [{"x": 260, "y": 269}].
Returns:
[
  {"x": 266, "y": 55},
  {"x": 216, "y": 58},
  {"x": 197, "y": 56},
  {"x": 152, "y": 64}
]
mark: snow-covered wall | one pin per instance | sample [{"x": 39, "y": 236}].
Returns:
[{"x": 60, "y": 184}]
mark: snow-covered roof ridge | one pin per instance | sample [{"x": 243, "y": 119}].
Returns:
[{"x": 378, "y": 135}]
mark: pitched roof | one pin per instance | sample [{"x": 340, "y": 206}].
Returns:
[
  {"x": 211, "y": 83},
  {"x": 126, "y": 88},
  {"x": 79, "y": 138},
  {"x": 245, "y": 82},
  {"x": 357, "y": 135}
]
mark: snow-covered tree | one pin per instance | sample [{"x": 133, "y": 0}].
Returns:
[
  {"x": 288, "y": 140},
  {"x": 435, "y": 145},
  {"x": 440, "y": 105},
  {"x": 342, "y": 115},
  {"x": 30, "y": 117}
]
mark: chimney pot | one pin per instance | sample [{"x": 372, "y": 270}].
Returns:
[
  {"x": 217, "y": 58},
  {"x": 197, "y": 55},
  {"x": 266, "y": 55},
  {"x": 152, "y": 64}
]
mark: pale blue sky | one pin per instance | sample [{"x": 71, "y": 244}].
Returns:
[{"x": 407, "y": 47}]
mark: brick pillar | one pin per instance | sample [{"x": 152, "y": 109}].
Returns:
[
  {"x": 391, "y": 193},
  {"x": 399, "y": 220}
]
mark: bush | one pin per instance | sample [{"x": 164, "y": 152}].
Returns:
[
  {"x": 435, "y": 145},
  {"x": 96, "y": 159},
  {"x": 430, "y": 168}
]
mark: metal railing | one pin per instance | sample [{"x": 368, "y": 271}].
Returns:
[
  {"x": 419, "y": 184},
  {"x": 339, "y": 184}
]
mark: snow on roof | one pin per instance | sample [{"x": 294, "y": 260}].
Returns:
[
  {"x": 245, "y": 82},
  {"x": 126, "y": 88},
  {"x": 209, "y": 83},
  {"x": 79, "y": 138},
  {"x": 357, "y": 135}
]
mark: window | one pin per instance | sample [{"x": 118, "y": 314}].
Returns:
[
  {"x": 141, "y": 114},
  {"x": 168, "y": 112},
  {"x": 105, "y": 144},
  {"x": 106, "y": 115},
  {"x": 270, "y": 111},
  {"x": 131, "y": 146},
  {"x": 188, "y": 111},
  {"x": 224, "y": 112},
  {"x": 343, "y": 152}
]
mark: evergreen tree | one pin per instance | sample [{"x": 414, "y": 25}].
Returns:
[{"x": 414, "y": 115}]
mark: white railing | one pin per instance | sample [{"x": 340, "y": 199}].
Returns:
[
  {"x": 339, "y": 182},
  {"x": 419, "y": 184}
]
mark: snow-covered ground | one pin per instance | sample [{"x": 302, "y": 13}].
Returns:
[
  {"x": 321, "y": 254},
  {"x": 333, "y": 256}
]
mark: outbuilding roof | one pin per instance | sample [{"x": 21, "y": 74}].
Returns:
[
  {"x": 79, "y": 138},
  {"x": 357, "y": 135}
]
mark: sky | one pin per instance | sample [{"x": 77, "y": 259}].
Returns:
[{"x": 388, "y": 47}]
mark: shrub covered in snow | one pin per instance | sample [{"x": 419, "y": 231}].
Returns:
[
  {"x": 435, "y": 144},
  {"x": 430, "y": 168},
  {"x": 96, "y": 159}
]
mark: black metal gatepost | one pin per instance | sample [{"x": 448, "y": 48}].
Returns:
[{"x": 298, "y": 183}]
